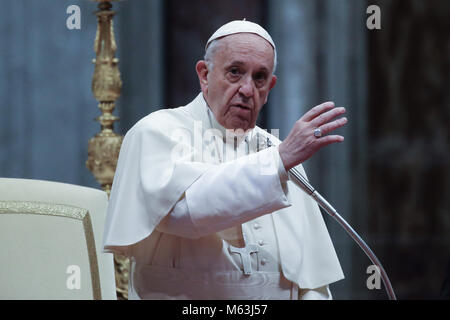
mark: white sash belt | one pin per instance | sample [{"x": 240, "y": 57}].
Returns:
[{"x": 152, "y": 282}]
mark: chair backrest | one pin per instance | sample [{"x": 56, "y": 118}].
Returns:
[{"x": 50, "y": 241}]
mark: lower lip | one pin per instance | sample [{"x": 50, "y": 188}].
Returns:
[{"x": 244, "y": 110}]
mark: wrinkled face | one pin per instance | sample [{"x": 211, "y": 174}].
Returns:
[{"x": 238, "y": 84}]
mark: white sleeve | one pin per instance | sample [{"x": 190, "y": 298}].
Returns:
[
  {"x": 230, "y": 194},
  {"x": 322, "y": 293}
]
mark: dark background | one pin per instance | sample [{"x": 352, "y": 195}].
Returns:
[{"x": 391, "y": 177}]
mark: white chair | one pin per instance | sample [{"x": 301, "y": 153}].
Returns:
[{"x": 50, "y": 241}]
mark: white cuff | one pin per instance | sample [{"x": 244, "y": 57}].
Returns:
[{"x": 322, "y": 293}]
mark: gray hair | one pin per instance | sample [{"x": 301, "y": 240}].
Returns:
[{"x": 215, "y": 44}]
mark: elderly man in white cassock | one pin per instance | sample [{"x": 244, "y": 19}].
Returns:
[{"x": 201, "y": 200}]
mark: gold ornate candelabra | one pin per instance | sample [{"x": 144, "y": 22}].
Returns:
[{"x": 104, "y": 147}]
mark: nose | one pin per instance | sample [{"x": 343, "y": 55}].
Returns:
[{"x": 246, "y": 87}]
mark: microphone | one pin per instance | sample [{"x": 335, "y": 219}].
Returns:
[{"x": 296, "y": 177}]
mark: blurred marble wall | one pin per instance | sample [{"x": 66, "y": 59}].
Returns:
[
  {"x": 409, "y": 143},
  {"x": 46, "y": 105}
]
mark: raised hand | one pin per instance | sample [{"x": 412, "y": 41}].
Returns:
[{"x": 302, "y": 142}]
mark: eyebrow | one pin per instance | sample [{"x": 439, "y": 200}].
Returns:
[{"x": 236, "y": 62}]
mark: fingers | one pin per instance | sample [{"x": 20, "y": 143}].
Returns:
[
  {"x": 327, "y": 116},
  {"x": 318, "y": 110},
  {"x": 330, "y": 126},
  {"x": 301, "y": 143},
  {"x": 324, "y": 141}
]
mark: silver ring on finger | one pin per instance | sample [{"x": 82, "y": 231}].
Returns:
[{"x": 317, "y": 132}]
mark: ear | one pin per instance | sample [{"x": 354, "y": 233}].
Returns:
[
  {"x": 273, "y": 82},
  {"x": 202, "y": 73}
]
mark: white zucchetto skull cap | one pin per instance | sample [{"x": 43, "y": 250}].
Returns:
[{"x": 240, "y": 26}]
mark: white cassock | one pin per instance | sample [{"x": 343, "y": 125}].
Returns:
[{"x": 205, "y": 214}]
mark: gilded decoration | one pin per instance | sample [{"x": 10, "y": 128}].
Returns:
[{"x": 104, "y": 147}]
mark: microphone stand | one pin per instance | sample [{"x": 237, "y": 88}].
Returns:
[{"x": 301, "y": 181}]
